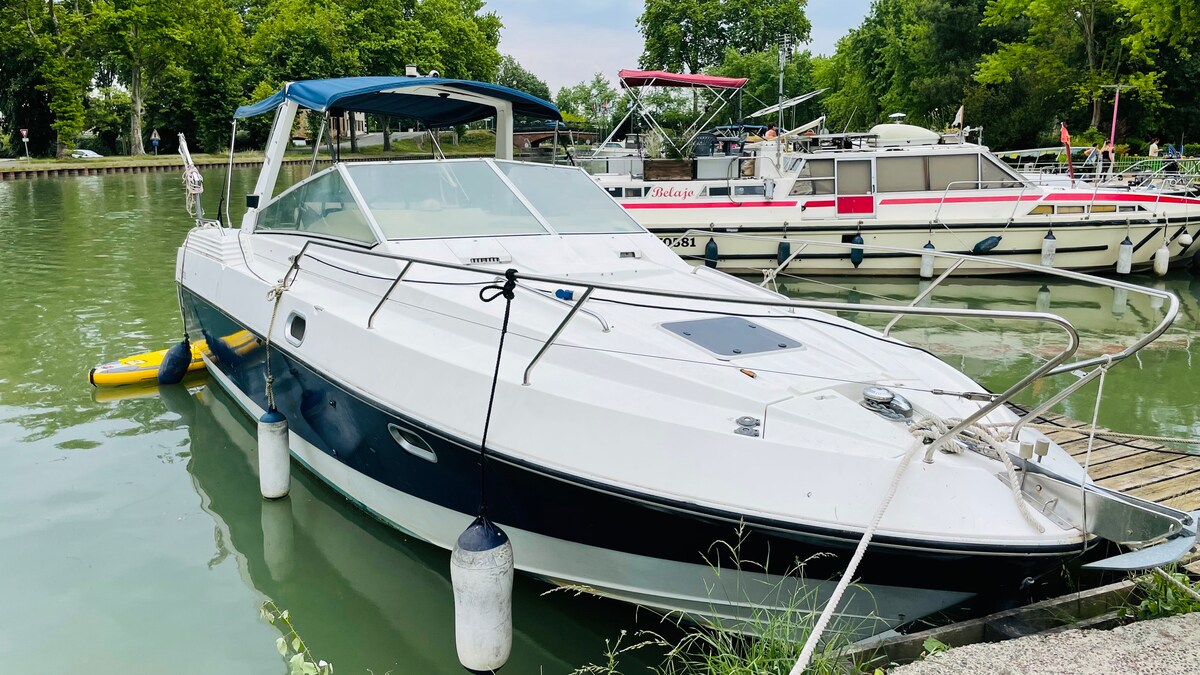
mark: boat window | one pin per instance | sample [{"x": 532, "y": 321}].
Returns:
[
  {"x": 1069, "y": 209},
  {"x": 961, "y": 170},
  {"x": 854, "y": 177},
  {"x": 1042, "y": 210},
  {"x": 815, "y": 178},
  {"x": 901, "y": 174},
  {"x": 996, "y": 175},
  {"x": 615, "y": 192},
  {"x": 443, "y": 199},
  {"x": 568, "y": 199},
  {"x": 742, "y": 190},
  {"x": 1103, "y": 208},
  {"x": 633, "y": 192},
  {"x": 714, "y": 191},
  {"x": 322, "y": 206}
]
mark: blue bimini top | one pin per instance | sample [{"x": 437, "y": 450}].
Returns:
[{"x": 435, "y": 101}]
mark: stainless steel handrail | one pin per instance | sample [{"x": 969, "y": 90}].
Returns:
[
  {"x": 925, "y": 293},
  {"x": 1172, "y": 310},
  {"x": 937, "y": 215},
  {"x": 604, "y": 327}
]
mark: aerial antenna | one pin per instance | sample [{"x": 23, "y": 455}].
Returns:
[{"x": 850, "y": 119}]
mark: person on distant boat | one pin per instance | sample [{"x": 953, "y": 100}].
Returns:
[
  {"x": 1153, "y": 151},
  {"x": 771, "y": 133},
  {"x": 1091, "y": 154}
]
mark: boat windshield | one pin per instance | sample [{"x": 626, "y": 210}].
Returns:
[
  {"x": 569, "y": 199},
  {"x": 441, "y": 199}
]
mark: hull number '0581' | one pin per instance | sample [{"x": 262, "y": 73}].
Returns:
[{"x": 679, "y": 242}]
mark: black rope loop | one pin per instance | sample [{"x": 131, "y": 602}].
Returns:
[{"x": 497, "y": 290}]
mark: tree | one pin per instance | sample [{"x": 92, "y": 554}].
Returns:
[
  {"x": 692, "y": 35},
  {"x": 761, "y": 69},
  {"x": 59, "y": 37},
  {"x": 511, "y": 74},
  {"x": 588, "y": 99},
  {"x": 1072, "y": 46}
]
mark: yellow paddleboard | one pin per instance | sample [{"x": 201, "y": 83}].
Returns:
[{"x": 139, "y": 369}]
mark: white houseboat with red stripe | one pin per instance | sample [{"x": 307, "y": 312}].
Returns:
[{"x": 774, "y": 203}]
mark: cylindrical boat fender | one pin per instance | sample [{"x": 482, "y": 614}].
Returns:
[
  {"x": 1042, "y": 303},
  {"x": 1120, "y": 302},
  {"x": 856, "y": 254},
  {"x": 784, "y": 251},
  {"x": 278, "y": 531},
  {"x": 1049, "y": 246},
  {"x": 274, "y": 458},
  {"x": 1162, "y": 260},
  {"x": 986, "y": 244},
  {"x": 481, "y": 572},
  {"x": 927, "y": 261},
  {"x": 711, "y": 253},
  {"x": 175, "y": 363},
  {"x": 1125, "y": 256}
]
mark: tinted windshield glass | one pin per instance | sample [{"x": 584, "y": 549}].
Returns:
[
  {"x": 441, "y": 199},
  {"x": 568, "y": 199}
]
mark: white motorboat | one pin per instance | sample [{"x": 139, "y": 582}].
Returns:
[
  {"x": 897, "y": 185},
  {"x": 645, "y": 410}
]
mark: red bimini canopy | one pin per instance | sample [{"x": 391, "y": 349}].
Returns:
[{"x": 659, "y": 78}]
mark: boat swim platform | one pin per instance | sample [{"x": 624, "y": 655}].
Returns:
[{"x": 1139, "y": 467}]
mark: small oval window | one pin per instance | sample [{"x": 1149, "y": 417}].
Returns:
[
  {"x": 413, "y": 443},
  {"x": 295, "y": 328}
]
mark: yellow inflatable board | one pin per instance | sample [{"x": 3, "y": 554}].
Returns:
[
  {"x": 139, "y": 369},
  {"x": 143, "y": 368}
]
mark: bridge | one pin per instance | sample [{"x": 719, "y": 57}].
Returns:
[{"x": 533, "y": 139}]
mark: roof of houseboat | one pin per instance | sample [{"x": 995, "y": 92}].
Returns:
[{"x": 435, "y": 101}]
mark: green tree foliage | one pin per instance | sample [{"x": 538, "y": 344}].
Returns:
[
  {"x": 692, "y": 35},
  {"x": 108, "y": 116},
  {"x": 587, "y": 100},
  {"x": 1172, "y": 22},
  {"x": 511, "y": 74},
  {"x": 1069, "y": 46},
  {"x": 761, "y": 69},
  {"x": 58, "y": 37}
]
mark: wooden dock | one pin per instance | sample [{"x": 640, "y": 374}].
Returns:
[{"x": 1141, "y": 468}]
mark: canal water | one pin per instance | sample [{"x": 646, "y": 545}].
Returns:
[{"x": 132, "y": 537}]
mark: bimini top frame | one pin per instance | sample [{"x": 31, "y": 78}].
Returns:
[
  {"x": 722, "y": 88},
  {"x": 434, "y": 101}
]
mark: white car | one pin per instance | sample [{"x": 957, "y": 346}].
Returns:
[{"x": 85, "y": 154}]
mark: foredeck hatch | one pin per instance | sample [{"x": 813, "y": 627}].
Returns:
[{"x": 731, "y": 336}]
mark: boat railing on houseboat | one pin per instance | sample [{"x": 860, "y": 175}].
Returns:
[
  {"x": 1054, "y": 365},
  {"x": 959, "y": 185}
]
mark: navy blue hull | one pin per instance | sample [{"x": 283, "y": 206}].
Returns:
[{"x": 355, "y": 432}]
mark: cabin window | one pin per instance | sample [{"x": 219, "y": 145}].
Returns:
[
  {"x": 1103, "y": 208},
  {"x": 1070, "y": 209},
  {"x": 995, "y": 175},
  {"x": 900, "y": 174},
  {"x": 718, "y": 191},
  {"x": 815, "y": 178},
  {"x": 444, "y": 199},
  {"x": 956, "y": 172},
  {"x": 633, "y": 192},
  {"x": 854, "y": 177},
  {"x": 568, "y": 199},
  {"x": 750, "y": 190},
  {"x": 1042, "y": 210},
  {"x": 322, "y": 206},
  {"x": 615, "y": 192}
]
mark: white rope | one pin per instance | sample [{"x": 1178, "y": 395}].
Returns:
[
  {"x": 927, "y": 429},
  {"x": 814, "y": 637},
  {"x": 274, "y": 295},
  {"x": 1178, "y": 584}
]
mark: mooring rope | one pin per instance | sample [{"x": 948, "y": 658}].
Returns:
[{"x": 496, "y": 291}]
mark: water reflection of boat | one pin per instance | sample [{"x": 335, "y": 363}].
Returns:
[
  {"x": 1107, "y": 318},
  {"x": 361, "y": 595}
]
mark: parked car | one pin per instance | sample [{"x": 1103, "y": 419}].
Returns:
[{"x": 86, "y": 154}]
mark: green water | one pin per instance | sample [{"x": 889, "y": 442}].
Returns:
[{"x": 132, "y": 537}]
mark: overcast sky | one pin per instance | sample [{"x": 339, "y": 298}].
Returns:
[{"x": 567, "y": 41}]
